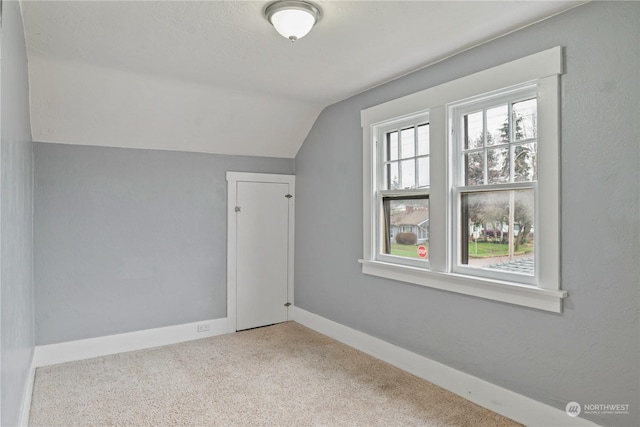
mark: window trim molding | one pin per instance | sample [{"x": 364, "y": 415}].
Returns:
[
  {"x": 514, "y": 73},
  {"x": 514, "y": 293},
  {"x": 543, "y": 68}
]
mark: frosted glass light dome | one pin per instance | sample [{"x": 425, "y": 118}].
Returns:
[{"x": 292, "y": 19}]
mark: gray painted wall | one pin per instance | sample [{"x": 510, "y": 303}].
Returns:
[
  {"x": 588, "y": 354},
  {"x": 129, "y": 239},
  {"x": 16, "y": 219}
]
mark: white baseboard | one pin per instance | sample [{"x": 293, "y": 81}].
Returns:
[
  {"x": 70, "y": 351},
  {"x": 505, "y": 402},
  {"x": 28, "y": 392}
]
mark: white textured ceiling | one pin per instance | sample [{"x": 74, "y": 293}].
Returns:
[{"x": 213, "y": 76}]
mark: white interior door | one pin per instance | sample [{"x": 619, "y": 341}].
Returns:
[{"x": 262, "y": 252}]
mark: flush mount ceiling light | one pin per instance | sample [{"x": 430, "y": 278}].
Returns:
[{"x": 293, "y": 19}]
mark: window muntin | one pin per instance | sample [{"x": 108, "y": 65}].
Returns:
[
  {"x": 495, "y": 185},
  {"x": 499, "y": 142},
  {"x": 405, "y": 157}
]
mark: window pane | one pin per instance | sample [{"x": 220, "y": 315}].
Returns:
[
  {"x": 391, "y": 150},
  {"x": 525, "y": 162},
  {"x": 498, "y": 165},
  {"x": 407, "y": 229},
  {"x": 385, "y": 176},
  {"x": 408, "y": 174},
  {"x": 423, "y": 171},
  {"x": 498, "y": 125},
  {"x": 474, "y": 167},
  {"x": 525, "y": 116},
  {"x": 498, "y": 231},
  {"x": 423, "y": 140},
  {"x": 391, "y": 178},
  {"x": 408, "y": 148},
  {"x": 473, "y": 130}
]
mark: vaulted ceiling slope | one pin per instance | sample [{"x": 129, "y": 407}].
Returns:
[{"x": 215, "y": 77}]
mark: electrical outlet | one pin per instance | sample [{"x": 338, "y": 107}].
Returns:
[{"x": 204, "y": 327}]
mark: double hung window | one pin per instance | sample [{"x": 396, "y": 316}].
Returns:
[
  {"x": 494, "y": 185},
  {"x": 461, "y": 185},
  {"x": 403, "y": 196}
]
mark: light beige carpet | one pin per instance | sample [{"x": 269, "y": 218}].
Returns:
[{"x": 282, "y": 375}]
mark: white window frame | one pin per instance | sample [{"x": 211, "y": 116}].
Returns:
[
  {"x": 456, "y": 111},
  {"x": 542, "y": 69},
  {"x": 380, "y": 131}
]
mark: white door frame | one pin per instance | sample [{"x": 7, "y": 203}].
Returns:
[{"x": 232, "y": 180}]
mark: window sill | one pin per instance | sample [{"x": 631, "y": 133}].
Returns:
[{"x": 513, "y": 293}]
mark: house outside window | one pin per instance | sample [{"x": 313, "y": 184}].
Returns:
[{"x": 461, "y": 185}]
